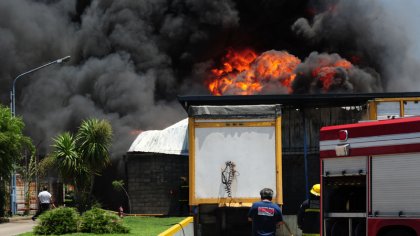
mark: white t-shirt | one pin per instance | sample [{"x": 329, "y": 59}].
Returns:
[{"x": 44, "y": 197}]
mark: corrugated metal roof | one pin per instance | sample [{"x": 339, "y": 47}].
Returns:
[{"x": 172, "y": 140}]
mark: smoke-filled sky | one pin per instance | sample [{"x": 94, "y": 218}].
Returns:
[{"x": 130, "y": 59}]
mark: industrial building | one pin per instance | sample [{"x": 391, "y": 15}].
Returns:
[{"x": 158, "y": 160}]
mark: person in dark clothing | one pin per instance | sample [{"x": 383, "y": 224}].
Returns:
[
  {"x": 308, "y": 215},
  {"x": 265, "y": 215}
]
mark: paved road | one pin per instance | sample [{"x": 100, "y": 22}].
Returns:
[{"x": 16, "y": 227}]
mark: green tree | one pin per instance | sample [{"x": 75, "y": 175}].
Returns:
[
  {"x": 13, "y": 144},
  {"x": 79, "y": 158}
]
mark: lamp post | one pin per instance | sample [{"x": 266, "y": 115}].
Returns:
[
  {"x": 12, "y": 92},
  {"x": 13, "y": 204}
]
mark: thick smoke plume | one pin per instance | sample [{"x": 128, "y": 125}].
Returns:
[
  {"x": 130, "y": 59},
  {"x": 373, "y": 34},
  {"x": 329, "y": 73}
]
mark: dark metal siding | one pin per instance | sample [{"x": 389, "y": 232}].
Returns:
[{"x": 293, "y": 147}]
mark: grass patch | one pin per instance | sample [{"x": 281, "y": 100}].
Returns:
[{"x": 139, "y": 225}]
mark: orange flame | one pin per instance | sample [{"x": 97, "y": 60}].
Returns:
[
  {"x": 244, "y": 73},
  {"x": 234, "y": 63}
]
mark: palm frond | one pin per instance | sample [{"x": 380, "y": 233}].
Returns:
[
  {"x": 94, "y": 138},
  {"x": 66, "y": 156}
]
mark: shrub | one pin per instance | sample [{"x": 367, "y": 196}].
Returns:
[
  {"x": 58, "y": 221},
  {"x": 99, "y": 221}
]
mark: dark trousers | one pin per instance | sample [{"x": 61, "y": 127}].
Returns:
[{"x": 42, "y": 208}]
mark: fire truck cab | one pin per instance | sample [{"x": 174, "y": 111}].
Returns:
[{"x": 370, "y": 178}]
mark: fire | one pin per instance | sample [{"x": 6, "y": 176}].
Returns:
[
  {"x": 234, "y": 63},
  {"x": 243, "y": 73},
  {"x": 330, "y": 74},
  {"x": 277, "y": 65}
]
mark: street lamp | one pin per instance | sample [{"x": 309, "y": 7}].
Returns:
[
  {"x": 12, "y": 92},
  {"x": 13, "y": 205}
]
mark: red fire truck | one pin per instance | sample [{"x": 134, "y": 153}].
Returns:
[{"x": 370, "y": 178}]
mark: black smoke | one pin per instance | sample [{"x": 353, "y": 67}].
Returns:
[
  {"x": 374, "y": 35},
  {"x": 344, "y": 80},
  {"x": 130, "y": 59}
]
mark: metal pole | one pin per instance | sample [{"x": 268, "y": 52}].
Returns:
[
  {"x": 305, "y": 154},
  {"x": 28, "y": 72},
  {"x": 13, "y": 204}
]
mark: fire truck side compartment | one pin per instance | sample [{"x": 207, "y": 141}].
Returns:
[
  {"x": 344, "y": 195},
  {"x": 373, "y": 188}
]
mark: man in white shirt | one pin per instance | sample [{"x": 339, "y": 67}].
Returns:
[{"x": 45, "y": 200}]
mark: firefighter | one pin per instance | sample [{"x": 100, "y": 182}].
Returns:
[{"x": 308, "y": 215}]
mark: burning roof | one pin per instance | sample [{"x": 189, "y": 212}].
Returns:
[{"x": 278, "y": 72}]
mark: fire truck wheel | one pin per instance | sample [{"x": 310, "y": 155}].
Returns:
[{"x": 399, "y": 232}]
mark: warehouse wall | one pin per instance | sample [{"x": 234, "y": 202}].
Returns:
[{"x": 154, "y": 182}]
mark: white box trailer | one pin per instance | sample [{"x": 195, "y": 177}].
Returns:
[
  {"x": 370, "y": 178},
  {"x": 234, "y": 151}
]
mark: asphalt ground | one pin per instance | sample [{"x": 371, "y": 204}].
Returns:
[{"x": 16, "y": 227}]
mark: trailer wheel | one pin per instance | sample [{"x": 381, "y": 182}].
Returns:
[{"x": 399, "y": 232}]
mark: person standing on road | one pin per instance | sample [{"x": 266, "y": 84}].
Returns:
[
  {"x": 308, "y": 215},
  {"x": 265, "y": 215},
  {"x": 45, "y": 200}
]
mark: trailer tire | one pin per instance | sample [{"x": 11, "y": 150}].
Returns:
[{"x": 399, "y": 232}]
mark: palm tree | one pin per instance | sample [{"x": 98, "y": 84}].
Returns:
[
  {"x": 93, "y": 140},
  {"x": 79, "y": 158},
  {"x": 67, "y": 158}
]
